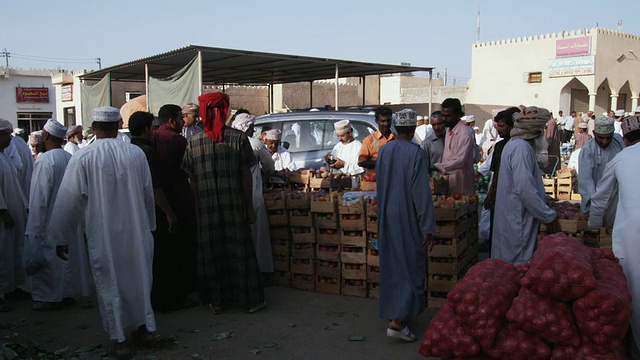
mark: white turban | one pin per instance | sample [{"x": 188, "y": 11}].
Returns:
[
  {"x": 273, "y": 134},
  {"x": 342, "y": 127},
  {"x": 243, "y": 122},
  {"x": 106, "y": 114},
  {"x": 5, "y": 125},
  {"x": 55, "y": 128}
]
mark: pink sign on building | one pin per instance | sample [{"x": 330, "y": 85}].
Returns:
[{"x": 573, "y": 47}]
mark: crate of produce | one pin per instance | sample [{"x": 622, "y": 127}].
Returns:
[
  {"x": 328, "y": 252},
  {"x": 374, "y": 290},
  {"x": 443, "y": 282},
  {"x": 325, "y": 220},
  {"x": 449, "y": 247},
  {"x": 436, "y": 300},
  {"x": 563, "y": 195},
  {"x": 281, "y": 247},
  {"x": 354, "y": 271},
  {"x": 303, "y": 266},
  {"x": 354, "y": 287},
  {"x": 451, "y": 229},
  {"x": 328, "y": 236},
  {"x": 373, "y": 257},
  {"x": 300, "y": 177},
  {"x": 566, "y": 172},
  {"x": 328, "y": 268},
  {"x": 353, "y": 237},
  {"x": 324, "y": 202},
  {"x": 568, "y": 182},
  {"x": 281, "y": 278},
  {"x": 298, "y": 200},
  {"x": 575, "y": 195},
  {"x": 281, "y": 263},
  {"x": 373, "y": 273},
  {"x": 367, "y": 185},
  {"x": 274, "y": 200},
  {"x": 372, "y": 224},
  {"x": 351, "y": 206},
  {"x": 330, "y": 182},
  {"x": 372, "y": 207},
  {"x": 353, "y": 254},
  {"x": 303, "y": 235},
  {"x": 446, "y": 212},
  {"x": 302, "y": 251},
  {"x": 280, "y": 232},
  {"x": 449, "y": 265},
  {"x": 328, "y": 284},
  {"x": 300, "y": 218},
  {"x": 278, "y": 218},
  {"x": 549, "y": 185},
  {"x": 352, "y": 221},
  {"x": 569, "y": 226},
  {"x": 439, "y": 185},
  {"x": 303, "y": 281}
]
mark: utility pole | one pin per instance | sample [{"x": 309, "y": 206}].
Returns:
[
  {"x": 6, "y": 54},
  {"x": 99, "y": 61}
]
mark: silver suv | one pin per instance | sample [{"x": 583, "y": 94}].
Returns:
[{"x": 309, "y": 136}]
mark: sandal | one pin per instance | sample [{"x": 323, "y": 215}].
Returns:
[
  {"x": 46, "y": 306},
  {"x": 258, "y": 307},
  {"x": 216, "y": 309}
]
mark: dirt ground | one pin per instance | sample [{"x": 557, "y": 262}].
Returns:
[{"x": 295, "y": 325}]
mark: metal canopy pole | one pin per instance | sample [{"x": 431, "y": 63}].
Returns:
[
  {"x": 364, "y": 90},
  {"x": 311, "y": 94},
  {"x": 430, "y": 91},
  {"x": 146, "y": 84},
  {"x": 271, "y": 95},
  {"x": 337, "y": 75},
  {"x": 200, "y": 85}
]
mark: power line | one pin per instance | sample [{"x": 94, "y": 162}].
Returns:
[
  {"x": 51, "y": 61},
  {"x": 52, "y": 58}
]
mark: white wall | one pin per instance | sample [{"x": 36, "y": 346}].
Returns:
[{"x": 10, "y": 78}]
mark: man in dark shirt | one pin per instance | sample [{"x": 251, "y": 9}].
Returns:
[{"x": 504, "y": 124}]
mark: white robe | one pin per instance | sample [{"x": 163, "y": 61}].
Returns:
[
  {"x": 11, "y": 240},
  {"x": 422, "y": 132},
  {"x": 282, "y": 160},
  {"x": 53, "y": 280},
  {"x": 260, "y": 230},
  {"x": 620, "y": 178},
  {"x": 108, "y": 184},
  {"x": 71, "y": 148},
  {"x": 520, "y": 204},
  {"x": 25, "y": 158},
  {"x": 349, "y": 154}
]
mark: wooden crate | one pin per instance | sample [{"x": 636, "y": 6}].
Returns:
[
  {"x": 297, "y": 220},
  {"x": 569, "y": 226},
  {"x": 374, "y": 290},
  {"x": 296, "y": 177},
  {"x": 372, "y": 207},
  {"x": 303, "y": 266},
  {"x": 328, "y": 236},
  {"x": 303, "y": 251},
  {"x": 352, "y": 221},
  {"x": 576, "y": 196},
  {"x": 373, "y": 257},
  {"x": 353, "y": 238},
  {"x": 329, "y": 268},
  {"x": 280, "y": 278},
  {"x": 449, "y": 247},
  {"x": 353, "y": 255},
  {"x": 328, "y": 252},
  {"x": 298, "y": 204},
  {"x": 373, "y": 273},
  {"x": 328, "y": 284},
  {"x": 303, "y": 281},
  {"x": 566, "y": 172},
  {"x": 451, "y": 229},
  {"x": 354, "y": 287},
  {"x": 443, "y": 282},
  {"x": 439, "y": 185},
  {"x": 436, "y": 300},
  {"x": 367, "y": 185},
  {"x": 276, "y": 204},
  {"x": 325, "y": 220},
  {"x": 604, "y": 239},
  {"x": 449, "y": 213},
  {"x": 281, "y": 248},
  {"x": 372, "y": 224},
  {"x": 354, "y": 271},
  {"x": 278, "y": 218},
  {"x": 448, "y": 265},
  {"x": 303, "y": 235},
  {"x": 280, "y": 232},
  {"x": 371, "y": 238},
  {"x": 322, "y": 205},
  {"x": 330, "y": 183},
  {"x": 281, "y": 263}
]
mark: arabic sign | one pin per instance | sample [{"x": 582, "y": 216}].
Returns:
[
  {"x": 66, "y": 93},
  {"x": 30, "y": 94},
  {"x": 573, "y": 47},
  {"x": 575, "y": 66}
]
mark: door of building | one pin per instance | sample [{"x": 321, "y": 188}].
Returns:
[
  {"x": 34, "y": 121},
  {"x": 580, "y": 100},
  {"x": 70, "y": 116}
]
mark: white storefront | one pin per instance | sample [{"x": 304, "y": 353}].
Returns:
[
  {"x": 581, "y": 70},
  {"x": 27, "y": 97}
]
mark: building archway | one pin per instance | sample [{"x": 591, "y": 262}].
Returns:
[
  {"x": 574, "y": 96},
  {"x": 624, "y": 97},
  {"x": 603, "y": 98}
]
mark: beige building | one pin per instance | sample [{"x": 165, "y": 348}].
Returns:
[{"x": 581, "y": 70}]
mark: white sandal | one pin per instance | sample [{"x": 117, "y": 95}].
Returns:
[
  {"x": 405, "y": 334},
  {"x": 258, "y": 307}
]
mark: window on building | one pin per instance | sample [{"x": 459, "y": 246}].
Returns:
[
  {"x": 32, "y": 121},
  {"x": 535, "y": 78},
  {"x": 130, "y": 95}
]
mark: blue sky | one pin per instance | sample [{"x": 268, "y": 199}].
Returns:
[{"x": 421, "y": 32}]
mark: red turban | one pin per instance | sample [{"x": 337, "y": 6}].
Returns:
[{"x": 215, "y": 119}]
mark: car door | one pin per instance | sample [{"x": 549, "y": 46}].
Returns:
[{"x": 305, "y": 141}]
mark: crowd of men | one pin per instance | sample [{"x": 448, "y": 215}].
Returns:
[{"x": 175, "y": 217}]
